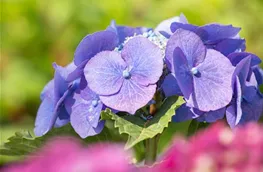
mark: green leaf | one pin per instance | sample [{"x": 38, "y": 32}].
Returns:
[
  {"x": 23, "y": 143},
  {"x": 139, "y": 130},
  {"x": 195, "y": 126}
]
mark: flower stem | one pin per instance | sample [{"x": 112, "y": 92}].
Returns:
[{"x": 151, "y": 150}]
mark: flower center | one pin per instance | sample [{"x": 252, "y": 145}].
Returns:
[
  {"x": 194, "y": 71},
  {"x": 126, "y": 74},
  {"x": 94, "y": 103}
]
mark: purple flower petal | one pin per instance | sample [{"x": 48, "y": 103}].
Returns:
[
  {"x": 170, "y": 86},
  {"x": 213, "y": 88},
  {"x": 179, "y": 25},
  {"x": 258, "y": 74},
  {"x": 251, "y": 88},
  {"x": 183, "y": 113},
  {"x": 144, "y": 59},
  {"x": 47, "y": 90},
  {"x": 235, "y": 58},
  {"x": 77, "y": 72},
  {"x": 165, "y": 25},
  {"x": 93, "y": 44},
  {"x": 234, "y": 111},
  {"x": 49, "y": 111},
  {"x": 217, "y": 32},
  {"x": 124, "y": 31},
  {"x": 84, "y": 116},
  {"x": 212, "y": 116},
  {"x": 183, "y": 76},
  {"x": 130, "y": 98},
  {"x": 231, "y": 115},
  {"x": 104, "y": 72},
  {"x": 242, "y": 70},
  {"x": 60, "y": 84},
  {"x": 43, "y": 122},
  {"x": 63, "y": 118},
  {"x": 251, "y": 111},
  {"x": 228, "y": 46},
  {"x": 191, "y": 45}
]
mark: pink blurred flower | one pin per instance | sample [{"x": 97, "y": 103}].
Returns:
[
  {"x": 216, "y": 149},
  {"x": 68, "y": 155}
]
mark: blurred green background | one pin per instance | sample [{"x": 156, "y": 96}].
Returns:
[{"x": 35, "y": 33}]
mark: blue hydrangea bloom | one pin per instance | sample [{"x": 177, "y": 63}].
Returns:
[
  {"x": 92, "y": 44},
  {"x": 247, "y": 102},
  {"x": 126, "y": 81},
  {"x": 53, "y": 109},
  {"x": 203, "y": 75}
]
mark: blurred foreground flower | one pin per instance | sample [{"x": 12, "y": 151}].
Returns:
[
  {"x": 217, "y": 148},
  {"x": 67, "y": 155}
]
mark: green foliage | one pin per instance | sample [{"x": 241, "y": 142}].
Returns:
[
  {"x": 23, "y": 143},
  {"x": 139, "y": 130},
  {"x": 195, "y": 126}
]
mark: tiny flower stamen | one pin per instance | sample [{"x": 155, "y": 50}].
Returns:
[
  {"x": 126, "y": 74},
  {"x": 94, "y": 103},
  {"x": 194, "y": 71}
]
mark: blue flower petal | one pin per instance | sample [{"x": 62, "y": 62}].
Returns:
[
  {"x": 183, "y": 113},
  {"x": 170, "y": 86},
  {"x": 213, "y": 85},
  {"x": 234, "y": 111},
  {"x": 212, "y": 116},
  {"x": 183, "y": 76},
  {"x": 252, "y": 111},
  {"x": 104, "y": 72},
  {"x": 235, "y": 58},
  {"x": 130, "y": 98},
  {"x": 93, "y": 44},
  {"x": 124, "y": 31},
  {"x": 85, "y": 116},
  {"x": 144, "y": 60},
  {"x": 228, "y": 46},
  {"x": 191, "y": 46},
  {"x": 44, "y": 120},
  {"x": 217, "y": 32},
  {"x": 165, "y": 25}
]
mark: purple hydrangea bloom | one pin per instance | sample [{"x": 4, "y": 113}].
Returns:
[
  {"x": 106, "y": 40},
  {"x": 203, "y": 75},
  {"x": 247, "y": 102},
  {"x": 53, "y": 111},
  {"x": 85, "y": 107},
  {"x": 126, "y": 81}
]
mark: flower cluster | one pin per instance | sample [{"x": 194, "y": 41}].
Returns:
[
  {"x": 216, "y": 149},
  {"x": 121, "y": 68}
]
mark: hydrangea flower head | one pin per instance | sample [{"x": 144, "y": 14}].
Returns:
[
  {"x": 126, "y": 81},
  {"x": 203, "y": 75}
]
